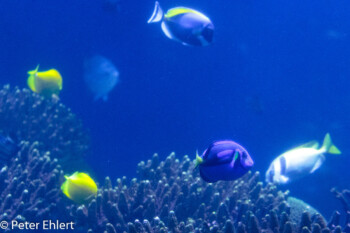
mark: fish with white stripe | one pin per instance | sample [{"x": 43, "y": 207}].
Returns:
[{"x": 300, "y": 161}]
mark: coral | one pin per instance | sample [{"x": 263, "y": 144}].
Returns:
[
  {"x": 344, "y": 198},
  {"x": 298, "y": 207},
  {"x": 30, "y": 117},
  {"x": 169, "y": 196},
  {"x": 29, "y": 186}
]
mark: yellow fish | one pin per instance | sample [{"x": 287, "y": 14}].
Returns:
[
  {"x": 79, "y": 187},
  {"x": 45, "y": 83}
]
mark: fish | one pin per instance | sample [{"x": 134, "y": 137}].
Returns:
[
  {"x": 100, "y": 76},
  {"x": 8, "y": 148},
  {"x": 79, "y": 187},
  {"x": 300, "y": 161},
  {"x": 223, "y": 160},
  {"x": 46, "y": 83},
  {"x": 185, "y": 25}
]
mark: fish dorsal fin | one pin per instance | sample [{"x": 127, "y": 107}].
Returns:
[
  {"x": 312, "y": 144},
  {"x": 51, "y": 75},
  {"x": 318, "y": 163},
  {"x": 178, "y": 11},
  {"x": 157, "y": 15}
]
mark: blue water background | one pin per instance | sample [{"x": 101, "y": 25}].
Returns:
[{"x": 276, "y": 76}]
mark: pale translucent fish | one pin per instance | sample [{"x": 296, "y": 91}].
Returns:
[{"x": 100, "y": 76}]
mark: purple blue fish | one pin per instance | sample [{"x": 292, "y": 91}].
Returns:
[{"x": 224, "y": 160}]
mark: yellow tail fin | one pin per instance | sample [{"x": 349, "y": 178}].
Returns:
[
  {"x": 31, "y": 79},
  {"x": 199, "y": 160},
  {"x": 328, "y": 145}
]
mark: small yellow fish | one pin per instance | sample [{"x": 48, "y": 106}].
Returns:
[
  {"x": 79, "y": 187},
  {"x": 45, "y": 83}
]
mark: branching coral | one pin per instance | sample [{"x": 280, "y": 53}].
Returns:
[
  {"x": 32, "y": 118},
  {"x": 170, "y": 197},
  {"x": 29, "y": 186},
  {"x": 344, "y": 197}
]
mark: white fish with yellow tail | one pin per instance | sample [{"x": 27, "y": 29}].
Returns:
[{"x": 300, "y": 161}]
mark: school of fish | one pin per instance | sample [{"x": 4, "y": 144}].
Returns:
[{"x": 223, "y": 160}]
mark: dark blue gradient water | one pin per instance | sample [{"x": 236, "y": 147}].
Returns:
[{"x": 276, "y": 76}]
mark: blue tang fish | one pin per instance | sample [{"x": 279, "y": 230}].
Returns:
[
  {"x": 224, "y": 160},
  {"x": 184, "y": 25},
  {"x": 100, "y": 76}
]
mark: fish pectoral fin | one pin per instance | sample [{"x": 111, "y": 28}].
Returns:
[
  {"x": 89, "y": 198},
  {"x": 318, "y": 163},
  {"x": 284, "y": 179}
]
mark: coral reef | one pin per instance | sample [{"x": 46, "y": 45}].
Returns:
[
  {"x": 169, "y": 196},
  {"x": 30, "y": 117},
  {"x": 29, "y": 186}
]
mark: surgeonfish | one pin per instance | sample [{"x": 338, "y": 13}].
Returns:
[
  {"x": 185, "y": 25},
  {"x": 46, "y": 83},
  {"x": 223, "y": 160},
  {"x": 79, "y": 187},
  {"x": 300, "y": 161},
  {"x": 100, "y": 76}
]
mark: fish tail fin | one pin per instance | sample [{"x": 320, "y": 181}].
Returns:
[
  {"x": 157, "y": 15},
  {"x": 64, "y": 188},
  {"x": 31, "y": 78},
  {"x": 198, "y": 161},
  {"x": 328, "y": 145}
]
